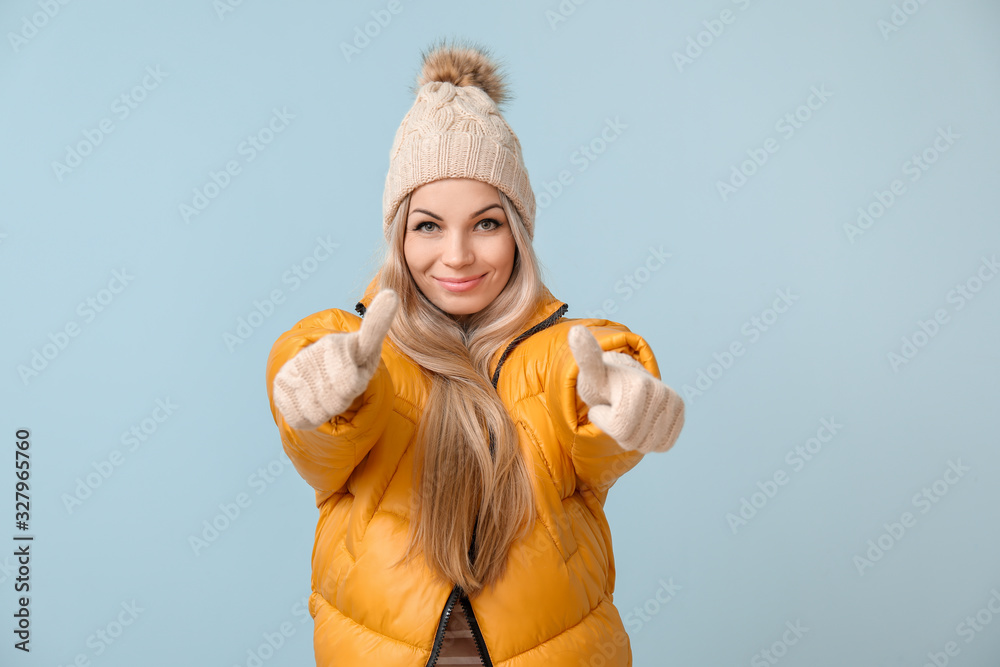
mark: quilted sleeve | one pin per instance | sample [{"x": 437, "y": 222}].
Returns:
[
  {"x": 597, "y": 459},
  {"x": 327, "y": 455}
]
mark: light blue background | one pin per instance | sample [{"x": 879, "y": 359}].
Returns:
[{"x": 826, "y": 356}]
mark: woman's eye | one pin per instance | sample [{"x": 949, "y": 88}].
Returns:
[{"x": 490, "y": 224}]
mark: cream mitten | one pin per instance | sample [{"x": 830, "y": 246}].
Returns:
[
  {"x": 324, "y": 378},
  {"x": 626, "y": 401}
]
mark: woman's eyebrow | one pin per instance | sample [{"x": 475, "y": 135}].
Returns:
[{"x": 437, "y": 217}]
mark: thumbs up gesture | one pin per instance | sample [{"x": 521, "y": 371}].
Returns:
[
  {"x": 324, "y": 378},
  {"x": 626, "y": 401}
]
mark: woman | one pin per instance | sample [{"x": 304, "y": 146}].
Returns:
[{"x": 462, "y": 435}]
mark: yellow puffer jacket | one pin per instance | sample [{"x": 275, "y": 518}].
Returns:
[{"x": 553, "y": 607}]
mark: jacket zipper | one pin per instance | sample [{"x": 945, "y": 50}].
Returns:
[
  {"x": 477, "y": 634},
  {"x": 457, "y": 595},
  {"x": 443, "y": 623}
]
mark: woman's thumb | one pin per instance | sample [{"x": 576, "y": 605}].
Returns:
[
  {"x": 378, "y": 318},
  {"x": 592, "y": 381}
]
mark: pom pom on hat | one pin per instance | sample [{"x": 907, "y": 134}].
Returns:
[{"x": 463, "y": 65}]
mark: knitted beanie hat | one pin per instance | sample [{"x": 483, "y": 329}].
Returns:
[{"x": 454, "y": 130}]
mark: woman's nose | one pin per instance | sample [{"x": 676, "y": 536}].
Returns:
[{"x": 458, "y": 251}]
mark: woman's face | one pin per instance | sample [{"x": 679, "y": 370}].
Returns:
[{"x": 458, "y": 244}]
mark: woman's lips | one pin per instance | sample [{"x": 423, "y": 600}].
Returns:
[{"x": 459, "y": 286}]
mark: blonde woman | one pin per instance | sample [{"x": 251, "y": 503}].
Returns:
[{"x": 461, "y": 433}]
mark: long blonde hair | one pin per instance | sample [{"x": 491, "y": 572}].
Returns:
[{"x": 455, "y": 479}]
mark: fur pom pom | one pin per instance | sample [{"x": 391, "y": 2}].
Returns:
[{"x": 463, "y": 65}]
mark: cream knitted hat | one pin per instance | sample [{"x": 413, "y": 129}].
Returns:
[{"x": 454, "y": 130}]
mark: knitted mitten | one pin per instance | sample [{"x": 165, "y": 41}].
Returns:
[
  {"x": 324, "y": 378},
  {"x": 625, "y": 400}
]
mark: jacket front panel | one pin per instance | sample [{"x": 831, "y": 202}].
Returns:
[{"x": 554, "y": 605}]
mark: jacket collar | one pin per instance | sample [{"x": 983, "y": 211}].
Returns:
[{"x": 548, "y": 311}]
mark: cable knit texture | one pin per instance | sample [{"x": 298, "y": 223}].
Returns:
[
  {"x": 323, "y": 379},
  {"x": 626, "y": 402}
]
